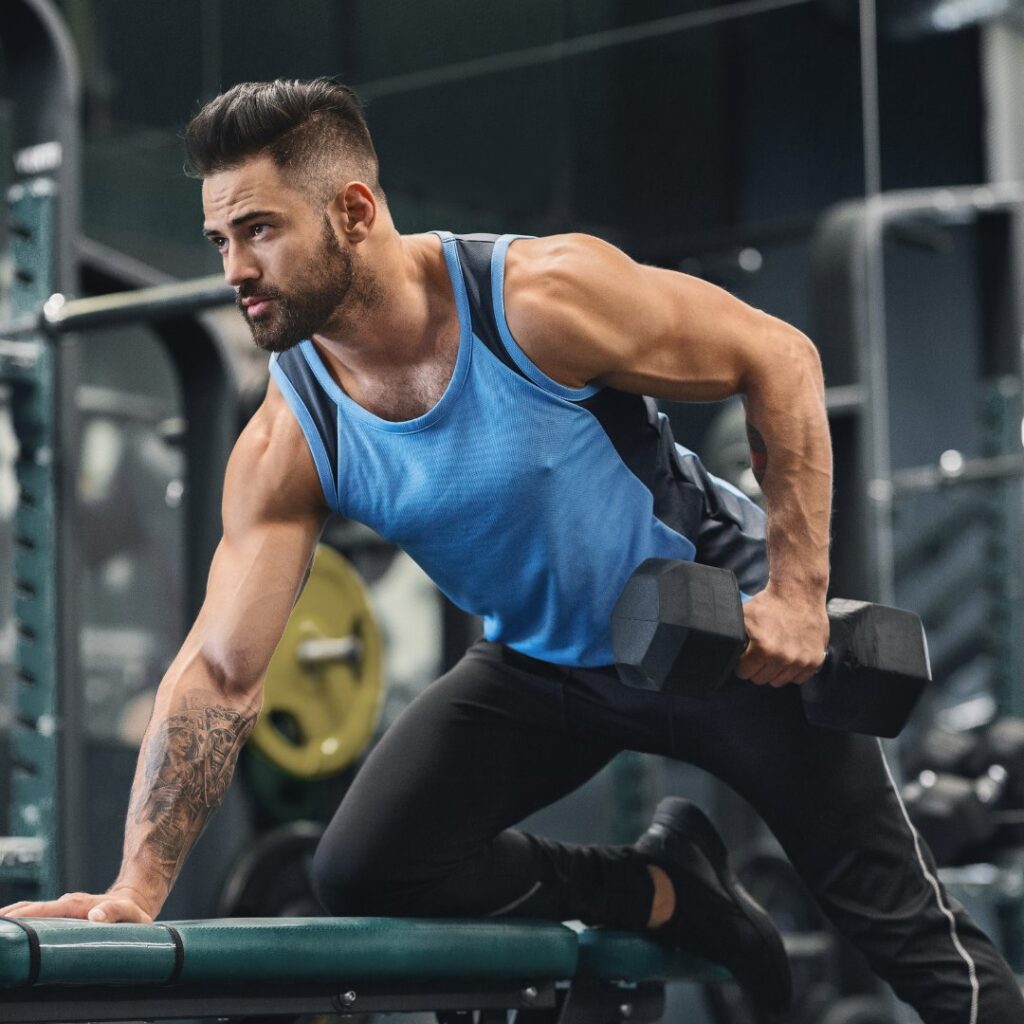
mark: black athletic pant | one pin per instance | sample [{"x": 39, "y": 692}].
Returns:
[{"x": 426, "y": 830}]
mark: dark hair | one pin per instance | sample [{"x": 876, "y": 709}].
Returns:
[{"x": 313, "y": 130}]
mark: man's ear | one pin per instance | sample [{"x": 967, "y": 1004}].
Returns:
[{"x": 354, "y": 210}]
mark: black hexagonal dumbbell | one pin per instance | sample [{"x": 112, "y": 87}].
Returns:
[
  {"x": 957, "y": 817},
  {"x": 678, "y": 627},
  {"x": 1001, "y": 745},
  {"x": 944, "y": 751}
]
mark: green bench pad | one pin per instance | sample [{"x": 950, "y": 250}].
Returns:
[
  {"x": 627, "y": 956},
  {"x": 61, "y": 951}
]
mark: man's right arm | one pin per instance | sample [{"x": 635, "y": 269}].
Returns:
[{"x": 208, "y": 701}]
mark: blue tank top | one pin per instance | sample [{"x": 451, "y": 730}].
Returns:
[{"x": 527, "y": 502}]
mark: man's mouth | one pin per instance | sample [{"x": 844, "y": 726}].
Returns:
[{"x": 255, "y": 306}]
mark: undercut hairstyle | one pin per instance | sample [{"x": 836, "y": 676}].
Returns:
[{"x": 314, "y": 132}]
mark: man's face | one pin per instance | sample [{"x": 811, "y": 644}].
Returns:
[{"x": 290, "y": 272}]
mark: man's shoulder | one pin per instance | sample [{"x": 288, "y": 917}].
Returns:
[
  {"x": 272, "y": 458},
  {"x": 549, "y": 259}
]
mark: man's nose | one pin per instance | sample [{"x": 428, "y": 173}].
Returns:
[{"x": 239, "y": 267}]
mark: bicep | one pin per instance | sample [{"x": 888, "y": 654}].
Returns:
[{"x": 273, "y": 514}]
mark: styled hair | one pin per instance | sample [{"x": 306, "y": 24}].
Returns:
[{"x": 314, "y": 132}]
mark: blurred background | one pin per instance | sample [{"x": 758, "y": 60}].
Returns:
[{"x": 855, "y": 171}]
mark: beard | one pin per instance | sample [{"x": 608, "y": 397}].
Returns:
[{"x": 325, "y": 280}]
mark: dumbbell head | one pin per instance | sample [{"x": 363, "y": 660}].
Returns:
[
  {"x": 876, "y": 670},
  {"x": 678, "y": 627},
  {"x": 942, "y": 751},
  {"x": 1002, "y": 743},
  {"x": 955, "y": 815}
]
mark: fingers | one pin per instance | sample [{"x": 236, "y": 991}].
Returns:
[
  {"x": 123, "y": 911},
  {"x": 87, "y": 906},
  {"x": 764, "y": 667}
]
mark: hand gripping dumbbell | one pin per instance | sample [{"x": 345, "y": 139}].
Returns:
[{"x": 678, "y": 627}]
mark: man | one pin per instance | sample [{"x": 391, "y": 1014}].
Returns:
[{"x": 478, "y": 400}]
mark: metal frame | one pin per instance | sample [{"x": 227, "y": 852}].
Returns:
[
  {"x": 43, "y": 89},
  {"x": 582, "y": 1001},
  {"x": 851, "y": 334},
  {"x": 210, "y": 398},
  {"x": 61, "y": 1004}
]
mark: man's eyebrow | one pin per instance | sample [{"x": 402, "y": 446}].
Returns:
[{"x": 242, "y": 218}]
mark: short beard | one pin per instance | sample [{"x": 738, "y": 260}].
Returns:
[{"x": 325, "y": 281}]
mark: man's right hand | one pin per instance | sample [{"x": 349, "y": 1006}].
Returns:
[{"x": 118, "y": 905}]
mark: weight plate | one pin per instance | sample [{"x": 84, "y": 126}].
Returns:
[
  {"x": 278, "y": 795},
  {"x": 324, "y": 685},
  {"x": 273, "y": 877}
]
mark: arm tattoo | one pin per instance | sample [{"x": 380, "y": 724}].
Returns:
[
  {"x": 188, "y": 763},
  {"x": 758, "y": 452}
]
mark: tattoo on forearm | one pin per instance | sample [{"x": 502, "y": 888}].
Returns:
[
  {"x": 758, "y": 452},
  {"x": 189, "y": 761}
]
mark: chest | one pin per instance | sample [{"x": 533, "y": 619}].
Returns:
[{"x": 398, "y": 393}]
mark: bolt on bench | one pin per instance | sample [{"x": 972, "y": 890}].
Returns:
[{"x": 70, "y": 970}]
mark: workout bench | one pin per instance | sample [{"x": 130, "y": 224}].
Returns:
[{"x": 71, "y": 970}]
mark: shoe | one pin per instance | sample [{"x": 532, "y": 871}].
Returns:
[{"x": 715, "y": 917}]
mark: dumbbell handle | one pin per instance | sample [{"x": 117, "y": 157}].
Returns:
[
  {"x": 329, "y": 650},
  {"x": 678, "y": 627},
  {"x": 826, "y": 658}
]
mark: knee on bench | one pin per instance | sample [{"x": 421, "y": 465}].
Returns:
[{"x": 352, "y": 884}]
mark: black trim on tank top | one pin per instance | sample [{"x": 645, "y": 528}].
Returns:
[
  {"x": 644, "y": 442},
  {"x": 474, "y": 253},
  {"x": 319, "y": 404}
]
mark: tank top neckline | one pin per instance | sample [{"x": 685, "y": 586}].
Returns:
[{"x": 459, "y": 372}]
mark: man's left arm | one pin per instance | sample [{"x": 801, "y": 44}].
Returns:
[{"x": 584, "y": 312}]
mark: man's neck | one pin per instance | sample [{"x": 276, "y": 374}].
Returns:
[{"x": 401, "y": 308}]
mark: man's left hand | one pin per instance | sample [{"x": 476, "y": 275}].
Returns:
[{"x": 788, "y": 636}]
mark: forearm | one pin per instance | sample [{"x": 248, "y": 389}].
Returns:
[
  {"x": 792, "y": 460},
  {"x": 186, "y": 762}
]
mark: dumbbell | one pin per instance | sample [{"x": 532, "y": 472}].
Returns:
[
  {"x": 957, "y": 817},
  {"x": 999, "y": 747},
  {"x": 678, "y": 627},
  {"x": 1002, "y": 743},
  {"x": 943, "y": 751}
]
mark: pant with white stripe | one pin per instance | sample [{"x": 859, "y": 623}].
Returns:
[{"x": 427, "y": 827}]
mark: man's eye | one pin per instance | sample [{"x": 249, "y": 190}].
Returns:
[{"x": 259, "y": 228}]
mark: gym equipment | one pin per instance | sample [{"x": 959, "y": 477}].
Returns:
[
  {"x": 678, "y": 627},
  {"x": 273, "y": 876},
  {"x": 324, "y": 685},
  {"x": 37, "y": 368},
  {"x": 70, "y": 970},
  {"x": 940, "y": 750},
  {"x": 1002, "y": 743},
  {"x": 726, "y": 450},
  {"x": 277, "y": 796},
  {"x": 956, "y": 816},
  {"x": 42, "y": 654},
  {"x": 809, "y": 941},
  {"x": 861, "y": 1010}
]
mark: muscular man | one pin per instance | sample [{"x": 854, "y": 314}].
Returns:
[{"x": 478, "y": 400}]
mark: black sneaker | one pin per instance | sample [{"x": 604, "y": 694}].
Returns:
[{"x": 715, "y": 917}]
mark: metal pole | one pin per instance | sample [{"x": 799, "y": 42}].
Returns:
[{"x": 873, "y": 354}]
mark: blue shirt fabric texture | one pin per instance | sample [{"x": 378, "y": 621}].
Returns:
[{"x": 527, "y": 502}]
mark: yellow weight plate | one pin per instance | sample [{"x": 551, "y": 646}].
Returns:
[{"x": 324, "y": 685}]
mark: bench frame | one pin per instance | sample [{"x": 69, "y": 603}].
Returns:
[{"x": 582, "y": 1001}]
